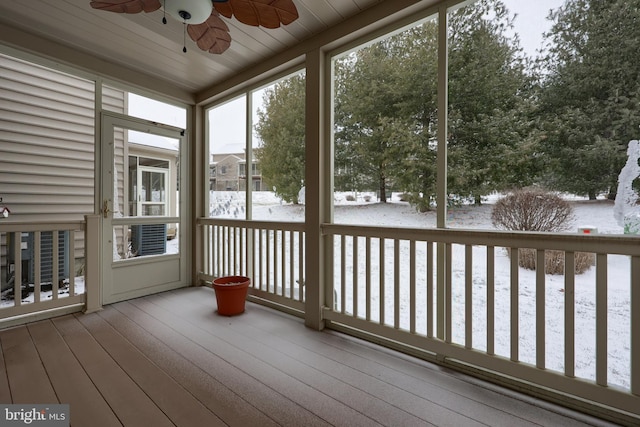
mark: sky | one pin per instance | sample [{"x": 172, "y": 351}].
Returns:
[{"x": 531, "y": 20}]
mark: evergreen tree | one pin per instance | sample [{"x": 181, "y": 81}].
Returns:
[
  {"x": 590, "y": 98},
  {"x": 281, "y": 128},
  {"x": 368, "y": 97},
  {"x": 489, "y": 103},
  {"x": 417, "y": 173}
]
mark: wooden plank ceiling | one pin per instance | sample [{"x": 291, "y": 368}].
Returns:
[{"x": 141, "y": 42}]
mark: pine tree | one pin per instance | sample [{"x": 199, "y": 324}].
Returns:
[
  {"x": 281, "y": 128},
  {"x": 590, "y": 98}
]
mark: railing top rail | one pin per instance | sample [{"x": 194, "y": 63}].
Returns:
[
  {"x": 30, "y": 226},
  {"x": 241, "y": 223},
  {"x": 594, "y": 243}
]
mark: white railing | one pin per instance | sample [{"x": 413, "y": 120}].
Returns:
[
  {"x": 26, "y": 296},
  {"x": 486, "y": 312},
  {"x": 459, "y": 298},
  {"x": 271, "y": 254}
]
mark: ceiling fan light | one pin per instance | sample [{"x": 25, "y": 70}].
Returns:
[{"x": 198, "y": 10}]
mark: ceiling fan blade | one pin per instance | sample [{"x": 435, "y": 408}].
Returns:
[
  {"x": 127, "y": 6},
  {"x": 264, "y": 13},
  {"x": 212, "y": 35}
]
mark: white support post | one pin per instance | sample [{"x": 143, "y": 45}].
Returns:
[
  {"x": 318, "y": 181},
  {"x": 92, "y": 276},
  {"x": 441, "y": 196}
]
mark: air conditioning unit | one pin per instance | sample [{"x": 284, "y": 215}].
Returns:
[
  {"x": 149, "y": 239},
  {"x": 27, "y": 245}
]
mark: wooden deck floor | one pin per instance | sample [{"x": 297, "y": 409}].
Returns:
[{"x": 170, "y": 360}]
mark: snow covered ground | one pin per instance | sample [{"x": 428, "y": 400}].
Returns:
[
  {"x": 364, "y": 210},
  {"x": 598, "y": 213}
]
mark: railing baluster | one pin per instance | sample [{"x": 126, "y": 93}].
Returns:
[
  {"x": 601, "y": 319},
  {"x": 448, "y": 295},
  {"x": 243, "y": 251},
  {"x": 231, "y": 255},
  {"x": 55, "y": 273},
  {"x": 206, "y": 254},
  {"x": 283, "y": 263},
  {"x": 412, "y": 286},
  {"x": 569, "y": 315},
  {"x": 491, "y": 299},
  {"x": 37, "y": 266},
  {"x": 292, "y": 277},
  {"x": 396, "y": 283},
  {"x": 540, "y": 309},
  {"x": 354, "y": 284},
  {"x": 71, "y": 256},
  {"x": 468, "y": 296},
  {"x": 220, "y": 245},
  {"x": 217, "y": 268},
  {"x": 269, "y": 259},
  {"x": 515, "y": 307},
  {"x": 343, "y": 272},
  {"x": 382, "y": 263},
  {"x": 235, "y": 262},
  {"x": 430, "y": 310},
  {"x": 215, "y": 251},
  {"x": 17, "y": 269},
  {"x": 368, "y": 278},
  {"x": 237, "y": 248},
  {"x": 275, "y": 279},
  {"x": 252, "y": 257},
  {"x": 261, "y": 259},
  {"x": 301, "y": 285},
  {"x": 226, "y": 251}
]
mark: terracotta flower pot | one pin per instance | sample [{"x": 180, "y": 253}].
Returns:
[{"x": 231, "y": 293}]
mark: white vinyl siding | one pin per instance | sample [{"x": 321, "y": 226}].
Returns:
[
  {"x": 47, "y": 138},
  {"x": 47, "y": 146}
]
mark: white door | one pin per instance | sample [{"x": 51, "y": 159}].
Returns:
[{"x": 141, "y": 218}]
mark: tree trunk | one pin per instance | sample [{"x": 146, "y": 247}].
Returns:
[
  {"x": 383, "y": 190},
  {"x": 592, "y": 195}
]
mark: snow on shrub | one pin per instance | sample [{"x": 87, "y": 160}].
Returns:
[{"x": 538, "y": 210}]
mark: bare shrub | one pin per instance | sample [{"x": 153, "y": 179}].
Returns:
[
  {"x": 554, "y": 261},
  {"x": 537, "y": 210},
  {"x": 532, "y": 210}
]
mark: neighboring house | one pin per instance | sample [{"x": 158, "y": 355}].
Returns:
[
  {"x": 152, "y": 184},
  {"x": 228, "y": 171}
]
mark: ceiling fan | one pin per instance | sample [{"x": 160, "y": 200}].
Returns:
[{"x": 202, "y": 17}]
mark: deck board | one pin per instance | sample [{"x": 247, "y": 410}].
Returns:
[
  {"x": 170, "y": 360},
  {"x": 148, "y": 335},
  {"x": 303, "y": 368},
  {"x": 130, "y": 403},
  {"x": 26, "y": 374},
  {"x": 182, "y": 408},
  {"x": 5, "y": 391},
  {"x": 298, "y": 396},
  {"x": 69, "y": 380}
]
